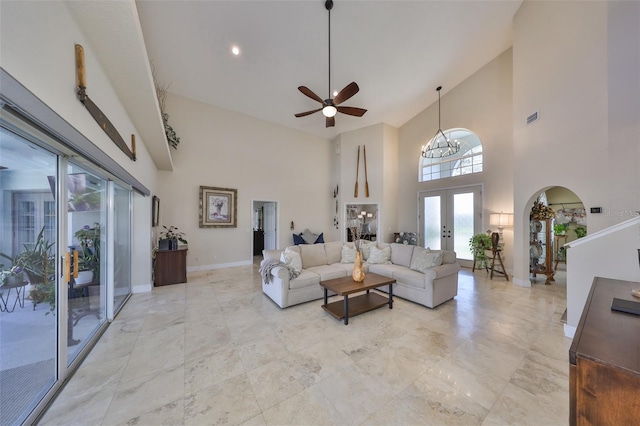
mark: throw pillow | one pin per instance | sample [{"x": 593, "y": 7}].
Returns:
[
  {"x": 308, "y": 236},
  {"x": 365, "y": 248},
  {"x": 379, "y": 256},
  {"x": 292, "y": 260},
  {"x": 297, "y": 239},
  {"x": 427, "y": 260},
  {"x": 348, "y": 254},
  {"x": 320, "y": 239}
]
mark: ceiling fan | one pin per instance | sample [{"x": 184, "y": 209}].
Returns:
[{"x": 332, "y": 106}]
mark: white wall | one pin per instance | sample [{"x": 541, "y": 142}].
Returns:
[
  {"x": 482, "y": 104},
  {"x": 613, "y": 254},
  {"x": 263, "y": 161},
  {"x": 37, "y": 45},
  {"x": 563, "y": 64}
]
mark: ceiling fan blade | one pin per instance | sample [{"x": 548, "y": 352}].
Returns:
[
  {"x": 350, "y": 90},
  {"x": 358, "y": 112},
  {"x": 304, "y": 114},
  {"x": 331, "y": 122},
  {"x": 306, "y": 91}
]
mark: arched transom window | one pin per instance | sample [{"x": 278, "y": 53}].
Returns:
[{"x": 466, "y": 161}]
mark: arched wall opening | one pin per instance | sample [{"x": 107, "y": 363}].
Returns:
[{"x": 544, "y": 239}]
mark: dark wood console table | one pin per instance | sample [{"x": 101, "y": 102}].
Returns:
[
  {"x": 604, "y": 359},
  {"x": 170, "y": 267}
]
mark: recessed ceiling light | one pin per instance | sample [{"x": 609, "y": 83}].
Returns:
[{"x": 235, "y": 50}]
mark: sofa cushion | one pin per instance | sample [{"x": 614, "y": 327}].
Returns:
[
  {"x": 449, "y": 257},
  {"x": 348, "y": 267},
  {"x": 333, "y": 250},
  {"x": 305, "y": 279},
  {"x": 401, "y": 254},
  {"x": 292, "y": 260},
  {"x": 271, "y": 254},
  {"x": 417, "y": 252},
  {"x": 426, "y": 260},
  {"x": 379, "y": 256},
  {"x": 386, "y": 270},
  {"x": 348, "y": 254},
  {"x": 329, "y": 272},
  {"x": 409, "y": 278},
  {"x": 313, "y": 255}
]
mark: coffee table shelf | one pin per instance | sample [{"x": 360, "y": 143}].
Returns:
[
  {"x": 349, "y": 307},
  {"x": 357, "y": 305}
]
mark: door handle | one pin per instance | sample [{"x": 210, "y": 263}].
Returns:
[
  {"x": 75, "y": 264},
  {"x": 67, "y": 267}
]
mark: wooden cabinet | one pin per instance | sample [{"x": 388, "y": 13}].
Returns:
[
  {"x": 541, "y": 248},
  {"x": 170, "y": 267},
  {"x": 604, "y": 359}
]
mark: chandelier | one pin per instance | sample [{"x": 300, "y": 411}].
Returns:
[{"x": 440, "y": 146}]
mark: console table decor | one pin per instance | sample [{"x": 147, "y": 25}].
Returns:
[{"x": 604, "y": 359}]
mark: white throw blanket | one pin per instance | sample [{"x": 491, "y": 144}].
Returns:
[{"x": 269, "y": 264}]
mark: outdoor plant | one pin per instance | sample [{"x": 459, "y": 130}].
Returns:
[
  {"x": 15, "y": 272},
  {"x": 478, "y": 244},
  {"x": 38, "y": 262},
  {"x": 89, "y": 248}
]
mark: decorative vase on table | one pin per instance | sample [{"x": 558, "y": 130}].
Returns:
[{"x": 358, "y": 271}]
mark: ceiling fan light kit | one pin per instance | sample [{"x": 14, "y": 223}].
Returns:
[
  {"x": 440, "y": 146},
  {"x": 330, "y": 107}
]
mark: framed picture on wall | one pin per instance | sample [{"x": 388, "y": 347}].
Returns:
[
  {"x": 155, "y": 211},
  {"x": 218, "y": 207}
]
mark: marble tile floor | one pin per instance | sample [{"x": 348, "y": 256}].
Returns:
[{"x": 218, "y": 351}]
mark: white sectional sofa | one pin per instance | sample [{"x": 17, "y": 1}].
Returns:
[{"x": 321, "y": 262}]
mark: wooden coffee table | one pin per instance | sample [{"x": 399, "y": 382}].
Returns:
[{"x": 345, "y": 308}]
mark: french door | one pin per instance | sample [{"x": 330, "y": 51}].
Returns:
[{"x": 448, "y": 218}]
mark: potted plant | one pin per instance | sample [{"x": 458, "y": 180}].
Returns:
[
  {"x": 580, "y": 231},
  {"x": 478, "y": 244},
  {"x": 88, "y": 253},
  {"x": 38, "y": 263},
  {"x": 560, "y": 228},
  {"x": 170, "y": 237}
]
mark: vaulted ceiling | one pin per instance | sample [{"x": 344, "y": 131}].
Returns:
[{"x": 397, "y": 51}]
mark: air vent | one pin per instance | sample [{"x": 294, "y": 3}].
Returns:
[{"x": 532, "y": 118}]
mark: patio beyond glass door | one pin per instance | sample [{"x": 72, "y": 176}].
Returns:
[
  {"x": 449, "y": 218},
  {"x": 86, "y": 224},
  {"x": 28, "y": 287}
]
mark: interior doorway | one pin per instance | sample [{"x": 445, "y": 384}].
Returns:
[{"x": 264, "y": 216}]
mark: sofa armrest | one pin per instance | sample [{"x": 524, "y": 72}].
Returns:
[{"x": 443, "y": 270}]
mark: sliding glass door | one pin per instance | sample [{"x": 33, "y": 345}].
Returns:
[
  {"x": 65, "y": 263},
  {"x": 29, "y": 285}
]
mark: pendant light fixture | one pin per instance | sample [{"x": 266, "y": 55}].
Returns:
[{"x": 440, "y": 146}]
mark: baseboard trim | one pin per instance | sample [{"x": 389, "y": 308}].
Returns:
[
  {"x": 143, "y": 288},
  {"x": 219, "y": 266},
  {"x": 569, "y": 331}
]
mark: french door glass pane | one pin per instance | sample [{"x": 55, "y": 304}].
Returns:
[
  {"x": 463, "y": 224},
  {"x": 432, "y": 222},
  {"x": 122, "y": 248},
  {"x": 86, "y": 222},
  {"x": 28, "y": 229}
]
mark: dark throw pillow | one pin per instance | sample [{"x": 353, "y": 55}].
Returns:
[
  {"x": 320, "y": 239},
  {"x": 297, "y": 239}
]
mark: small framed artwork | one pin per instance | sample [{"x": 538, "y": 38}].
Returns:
[
  {"x": 155, "y": 211},
  {"x": 218, "y": 207}
]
